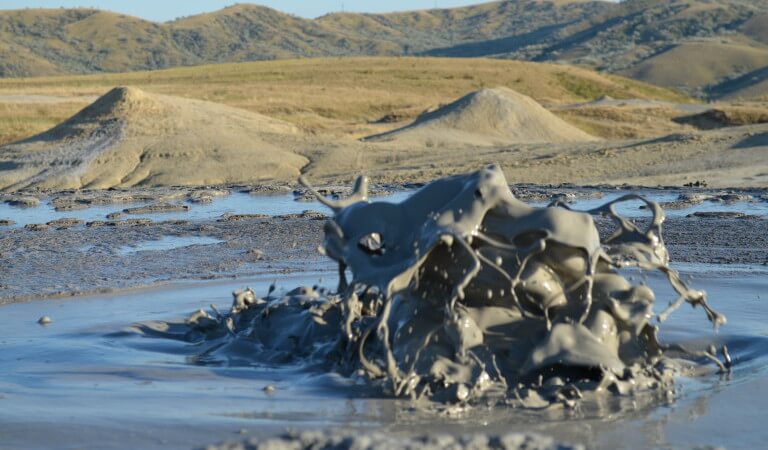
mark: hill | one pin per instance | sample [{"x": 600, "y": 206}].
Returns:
[
  {"x": 167, "y": 130},
  {"x": 128, "y": 137},
  {"x": 705, "y": 61},
  {"x": 487, "y": 117},
  {"x": 635, "y": 37}
]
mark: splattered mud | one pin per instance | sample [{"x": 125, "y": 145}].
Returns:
[
  {"x": 463, "y": 294},
  {"x": 173, "y": 394}
]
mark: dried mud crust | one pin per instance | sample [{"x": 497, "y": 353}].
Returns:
[
  {"x": 334, "y": 440},
  {"x": 713, "y": 240},
  {"x": 82, "y": 259}
]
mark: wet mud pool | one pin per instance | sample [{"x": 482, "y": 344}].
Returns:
[
  {"x": 78, "y": 381},
  {"x": 82, "y": 379}
]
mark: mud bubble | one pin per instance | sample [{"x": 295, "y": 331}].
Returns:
[{"x": 463, "y": 294}]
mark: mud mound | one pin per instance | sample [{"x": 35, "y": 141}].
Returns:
[
  {"x": 488, "y": 117},
  {"x": 129, "y": 137}
]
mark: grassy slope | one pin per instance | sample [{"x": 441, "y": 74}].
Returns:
[
  {"x": 85, "y": 40},
  {"x": 704, "y": 63},
  {"x": 326, "y": 95},
  {"x": 756, "y": 28}
]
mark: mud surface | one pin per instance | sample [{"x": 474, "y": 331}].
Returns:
[
  {"x": 64, "y": 257},
  {"x": 177, "y": 395},
  {"x": 82, "y": 259},
  {"x": 79, "y": 380}
]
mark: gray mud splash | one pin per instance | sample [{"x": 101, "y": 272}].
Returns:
[{"x": 463, "y": 294}]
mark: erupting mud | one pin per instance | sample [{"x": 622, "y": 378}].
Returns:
[{"x": 463, "y": 293}]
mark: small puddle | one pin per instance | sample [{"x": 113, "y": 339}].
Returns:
[{"x": 167, "y": 243}]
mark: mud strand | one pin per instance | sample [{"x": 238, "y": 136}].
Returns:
[{"x": 463, "y": 293}]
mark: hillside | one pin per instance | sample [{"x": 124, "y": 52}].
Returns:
[
  {"x": 352, "y": 97},
  {"x": 635, "y": 37},
  {"x": 704, "y": 60},
  {"x": 87, "y": 40}
]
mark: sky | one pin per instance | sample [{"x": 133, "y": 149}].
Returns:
[{"x": 161, "y": 11}]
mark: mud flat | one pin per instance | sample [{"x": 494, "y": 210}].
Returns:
[
  {"x": 81, "y": 259},
  {"x": 72, "y": 261},
  {"x": 203, "y": 387},
  {"x": 382, "y": 441}
]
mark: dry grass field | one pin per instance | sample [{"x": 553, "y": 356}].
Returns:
[{"x": 339, "y": 97}]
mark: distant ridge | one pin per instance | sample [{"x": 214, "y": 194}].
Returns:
[
  {"x": 497, "y": 116},
  {"x": 130, "y": 137},
  {"x": 634, "y": 37}
]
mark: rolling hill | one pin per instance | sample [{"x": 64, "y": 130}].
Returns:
[
  {"x": 720, "y": 41},
  {"x": 352, "y": 97}
]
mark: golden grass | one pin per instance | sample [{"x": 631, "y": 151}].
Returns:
[
  {"x": 21, "y": 120},
  {"x": 705, "y": 62},
  {"x": 612, "y": 122},
  {"x": 741, "y": 115},
  {"x": 728, "y": 116},
  {"x": 334, "y": 95}
]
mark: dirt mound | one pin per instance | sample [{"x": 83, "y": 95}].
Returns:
[
  {"x": 129, "y": 137},
  {"x": 497, "y": 116}
]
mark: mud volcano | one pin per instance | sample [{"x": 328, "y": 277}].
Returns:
[
  {"x": 462, "y": 293},
  {"x": 129, "y": 137},
  {"x": 498, "y": 116}
]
